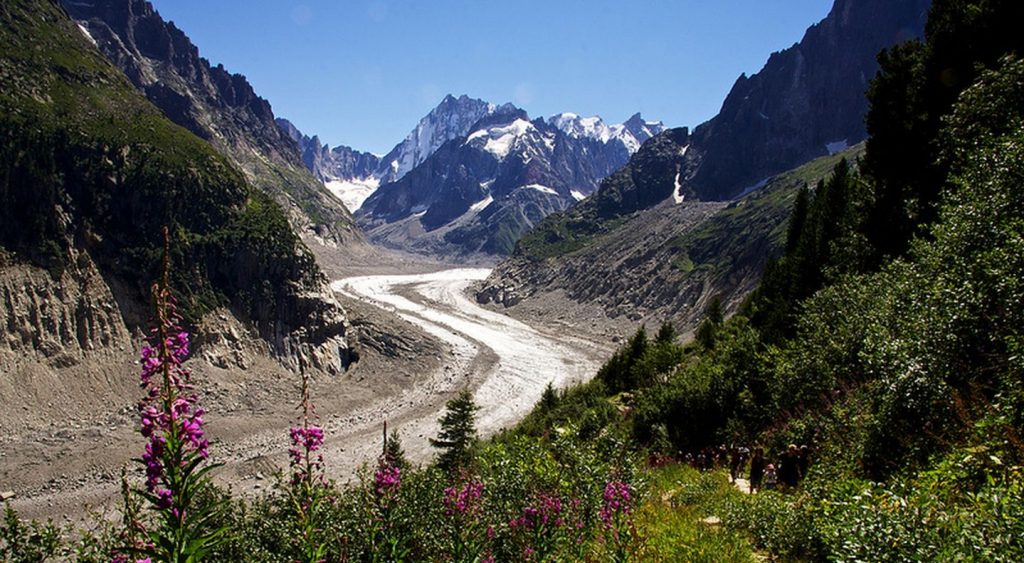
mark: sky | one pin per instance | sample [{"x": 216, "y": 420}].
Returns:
[{"x": 363, "y": 73}]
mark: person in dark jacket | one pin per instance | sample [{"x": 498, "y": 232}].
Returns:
[
  {"x": 757, "y": 465},
  {"x": 789, "y": 467},
  {"x": 804, "y": 461}
]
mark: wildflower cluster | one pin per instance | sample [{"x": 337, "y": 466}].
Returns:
[
  {"x": 548, "y": 510},
  {"x": 170, "y": 417},
  {"x": 387, "y": 479},
  {"x": 169, "y": 409},
  {"x": 617, "y": 495},
  {"x": 172, "y": 422},
  {"x": 615, "y": 514},
  {"x": 463, "y": 500},
  {"x": 306, "y": 461}
]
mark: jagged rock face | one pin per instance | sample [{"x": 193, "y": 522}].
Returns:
[
  {"x": 807, "y": 101},
  {"x": 215, "y": 104},
  {"x": 327, "y": 164},
  {"x": 57, "y": 321},
  {"x": 479, "y": 193},
  {"x": 451, "y": 119}
]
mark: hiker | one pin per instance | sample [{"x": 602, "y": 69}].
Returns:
[
  {"x": 771, "y": 479},
  {"x": 803, "y": 461},
  {"x": 789, "y": 467},
  {"x": 756, "y": 469},
  {"x": 735, "y": 464}
]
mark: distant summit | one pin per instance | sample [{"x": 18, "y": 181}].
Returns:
[{"x": 478, "y": 193}]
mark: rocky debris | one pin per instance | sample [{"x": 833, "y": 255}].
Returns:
[
  {"x": 7, "y": 495},
  {"x": 629, "y": 274}
]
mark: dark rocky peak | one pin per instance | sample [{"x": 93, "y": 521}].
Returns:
[
  {"x": 641, "y": 129},
  {"x": 213, "y": 103},
  {"x": 807, "y": 100},
  {"x": 650, "y": 177},
  {"x": 291, "y": 130}
]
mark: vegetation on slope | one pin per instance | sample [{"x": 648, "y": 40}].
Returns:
[{"x": 88, "y": 163}]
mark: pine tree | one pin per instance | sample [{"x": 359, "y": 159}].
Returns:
[
  {"x": 666, "y": 334},
  {"x": 549, "y": 399},
  {"x": 458, "y": 433},
  {"x": 394, "y": 454}
]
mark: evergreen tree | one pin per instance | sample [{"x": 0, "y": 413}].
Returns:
[
  {"x": 458, "y": 433},
  {"x": 549, "y": 399},
  {"x": 394, "y": 454},
  {"x": 616, "y": 373},
  {"x": 666, "y": 334}
]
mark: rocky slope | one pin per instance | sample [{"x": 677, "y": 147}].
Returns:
[
  {"x": 477, "y": 194},
  {"x": 663, "y": 260},
  {"x": 214, "y": 104},
  {"x": 808, "y": 100}
]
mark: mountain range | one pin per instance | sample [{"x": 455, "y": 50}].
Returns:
[{"x": 472, "y": 177}]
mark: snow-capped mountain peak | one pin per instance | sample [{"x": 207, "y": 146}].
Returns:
[
  {"x": 631, "y": 133},
  {"x": 451, "y": 119}
]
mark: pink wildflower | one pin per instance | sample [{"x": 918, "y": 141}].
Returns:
[{"x": 617, "y": 495}]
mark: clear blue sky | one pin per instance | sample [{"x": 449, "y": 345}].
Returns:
[{"x": 362, "y": 73}]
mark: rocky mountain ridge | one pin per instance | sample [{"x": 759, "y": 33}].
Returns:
[
  {"x": 214, "y": 104},
  {"x": 808, "y": 101}
]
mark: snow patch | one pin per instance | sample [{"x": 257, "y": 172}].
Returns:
[
  {"x": 836, "y": 146},
  {"x": 578, "y": 196},
  {"x": 540, "y": 188},
  {"x": 483, "y": 203},
  {"x": 354, "y": 192},
  {"x": 87, "y": 35},
  {"x": 500, "y": 139},
  {"x": 677, "y": 194}
]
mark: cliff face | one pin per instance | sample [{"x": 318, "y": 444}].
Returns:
[
  {"x": 216, "y": 105},
  {"x": 807, "y": 101}
]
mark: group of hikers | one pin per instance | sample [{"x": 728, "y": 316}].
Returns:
[{"x": 786, "y": 473}]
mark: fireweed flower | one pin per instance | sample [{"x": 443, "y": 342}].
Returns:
[
  {"x": 548, "y": 511},
  {"x": 168, "y": 413},
  {"x": 462, "y": 500},
  {"x": 388, "y": 479},
  {"x": 172, "y": 423},
  {"x": 617, "y": 495}
]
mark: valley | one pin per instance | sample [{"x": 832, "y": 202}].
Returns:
[{"x": 442, "y": 342}]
